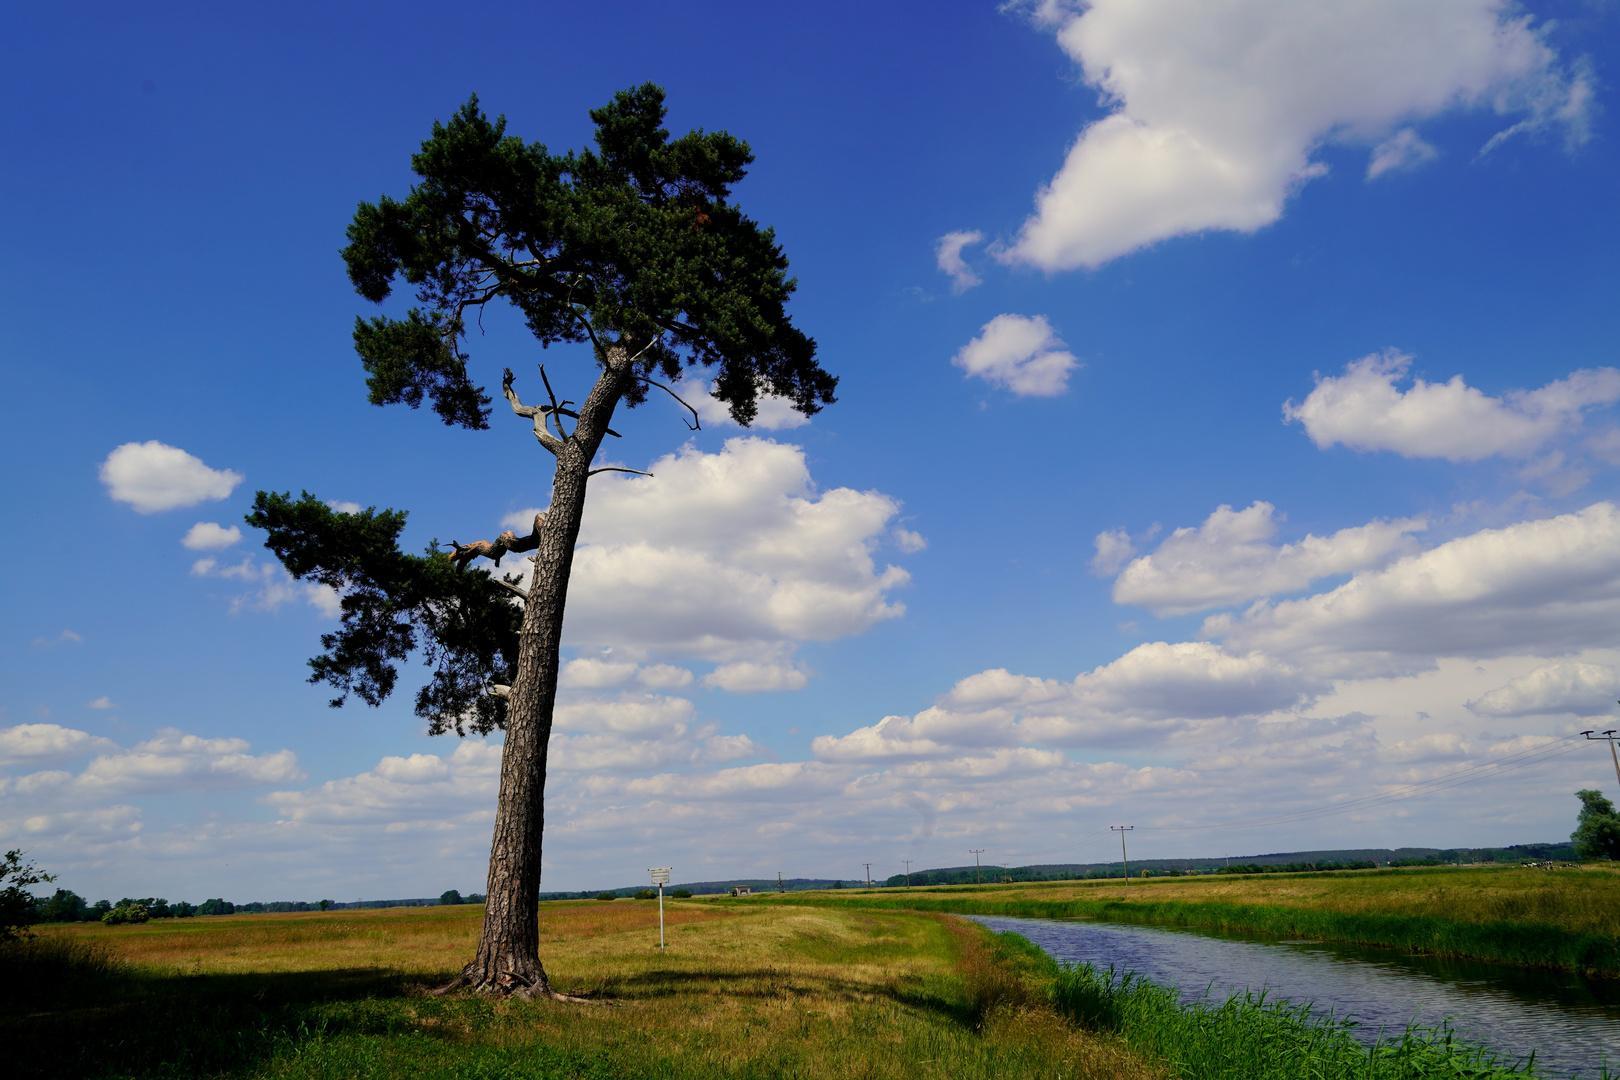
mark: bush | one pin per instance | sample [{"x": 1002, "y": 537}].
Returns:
[
  {"x": 605, "y": 896},
  {"x": 216, "y": 906},
  {"x": 646, "y": 894},
  {"x": 126, "y": 913},
  {"x": 450, "y": 896},
  {"x": 682, "y": 894}
]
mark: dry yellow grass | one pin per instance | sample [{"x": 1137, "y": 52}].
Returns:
[{"x": 745, "y": 989}]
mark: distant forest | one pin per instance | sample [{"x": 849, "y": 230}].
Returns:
[{"x": 67, "y": 906}]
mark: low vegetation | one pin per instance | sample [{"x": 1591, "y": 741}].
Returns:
[
  {"x": 1245, "y": 1037},
  {"x": 741, "y": 992},
  {"x": 1567, "y": 919}
]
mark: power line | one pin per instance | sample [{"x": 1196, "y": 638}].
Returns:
[{"x": 908, "y": 872}]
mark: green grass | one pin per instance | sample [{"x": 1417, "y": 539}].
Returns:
[
  {"x": 1568, "y": 920},
  {"x": 753, "y": 993},
  {"x": 1247, "y": 1038}
]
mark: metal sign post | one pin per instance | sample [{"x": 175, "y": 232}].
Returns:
[{"x": 660, "y": 878}]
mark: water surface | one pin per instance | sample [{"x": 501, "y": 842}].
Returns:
[{"x": 1572, "y": 1024}]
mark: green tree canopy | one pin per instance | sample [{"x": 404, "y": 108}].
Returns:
[{"x": 1597, "y": 830}]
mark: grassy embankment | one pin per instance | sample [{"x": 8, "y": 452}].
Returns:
[
  {"x": 742, "y": 992},
  {"x": 1567, "y": 919}
]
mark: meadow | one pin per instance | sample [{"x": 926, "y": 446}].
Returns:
[
  {"x": 1568, "y": 919},
  {"x": 742, "y": 992}
]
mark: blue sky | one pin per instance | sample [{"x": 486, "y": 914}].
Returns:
[{"x": 1226, "y": 433}]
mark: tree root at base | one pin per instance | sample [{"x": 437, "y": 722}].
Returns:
[{"x": 520, "y": 987}]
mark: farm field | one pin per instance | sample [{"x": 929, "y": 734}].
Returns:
[
  {"x": 1557, "y": 918},
  {"x": 742, "y": 991}
]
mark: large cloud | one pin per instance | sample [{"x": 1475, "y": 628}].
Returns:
[
  {"x": 1364, "y": 410},
  {"x": 1538, "y": 587},
  {"x": 1228, "y": 559},
  {"x": 1220, "y": 105},
  {"x": 728, "y": 556},
  {"x": 152, "y": 476},
  {"x": 1563, "y": 686}
]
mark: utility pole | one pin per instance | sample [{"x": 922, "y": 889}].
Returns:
[
  {"x": 908, "y": 872},
  {"x": 976, "y": 852},
  {"x": 868, "y": 874},
  {"x": 779, "y": 886},
  {"x": 1122, "y": 830},
  {"x": 1609, "y": 737}
]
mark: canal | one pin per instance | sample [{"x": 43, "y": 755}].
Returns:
[{"x": 1572, "y": 1024}]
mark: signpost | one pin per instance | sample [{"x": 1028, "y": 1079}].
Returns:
[{"x": 660, "y": 878}]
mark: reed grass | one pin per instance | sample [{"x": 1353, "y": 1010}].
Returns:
[{"x": 1568, "y": 920}]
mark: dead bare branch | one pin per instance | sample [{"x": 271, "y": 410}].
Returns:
[
  {"x": 697, "y": 422},
  {"x": 615, "y": 468}
]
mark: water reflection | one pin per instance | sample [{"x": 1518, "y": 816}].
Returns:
[{"x": 1572, "y": 1024}]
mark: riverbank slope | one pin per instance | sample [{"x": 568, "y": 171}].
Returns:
[{"x": 1567, "y": 919}]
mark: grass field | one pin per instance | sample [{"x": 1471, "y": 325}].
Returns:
[
  {"x": 742, "y": 992},
  {"x": 1555, "y": 918}
]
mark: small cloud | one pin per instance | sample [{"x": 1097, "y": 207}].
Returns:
[
  {"x": 344, "y": 507},
  {"x": 1021, "y": 354},
  {"x": 909, "y": 542},
  {"x": 1114, "y": 550},
  {"x": 152, "y": 476},
  {"x": 948, "y": 252},
  {"x": 1403, "y": 150},
  {"x": 66, "y": 635},
  {"x": 664, "y": 677},
  {"x": 774, "y": 413},
  {"x": 209, "y": 536},
  {"x": 754, "y": 677},
  {"x": 102, "y": 702}
]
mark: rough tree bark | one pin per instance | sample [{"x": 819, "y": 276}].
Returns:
[{"x": 508, "y": 957}]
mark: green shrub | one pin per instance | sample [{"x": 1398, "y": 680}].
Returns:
[
  {"x": 605, "y": 896},
  {"x": 682, "y": 894},
  {"x": 646, "y": 894},
  {"x": 126, "y": 913}
]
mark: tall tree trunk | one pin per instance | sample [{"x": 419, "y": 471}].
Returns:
[{"x": 508, "y": 958}]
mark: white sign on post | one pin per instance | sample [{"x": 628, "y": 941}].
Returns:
[{"x": 660, "y": 878}]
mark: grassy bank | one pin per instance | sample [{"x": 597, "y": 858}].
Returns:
[
  {"x": 1247, "y": 1038},
  {"x": 1560, "y": 919},
  {"x": 742, "y": 992}
]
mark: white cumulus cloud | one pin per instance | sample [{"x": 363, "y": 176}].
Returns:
[
  {"x": 210, "y": 536},
  {"x": 1019, "y": 353},
  {"x": 1534, "y": 588},
  {"x": 1563, "y": 686},
  {"x": 1230, "y": 558},
  {"x": 1218, "y": 107},
  {"x": 152, "y": 476},
  {"x": 41, "y": 743},
  {"x": 1365, "y": 410},
  {"x": 729, "y": 556},
  {"x": 774, "y": 413}
]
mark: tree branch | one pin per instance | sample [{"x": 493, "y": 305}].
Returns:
[
  {"x": 697, "y": 422},
  {"x": 520, "y": 593},
  {"x": 615, "y": 468},
  {"x": 555, "y": 408},
  {"x": 537, "y": 413},
  {"x": 495, "y": 549}
]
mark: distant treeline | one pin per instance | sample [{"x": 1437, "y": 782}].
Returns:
[
  {"x": 66, "y": 906},
  {"x": 1283, "y": 862}
]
